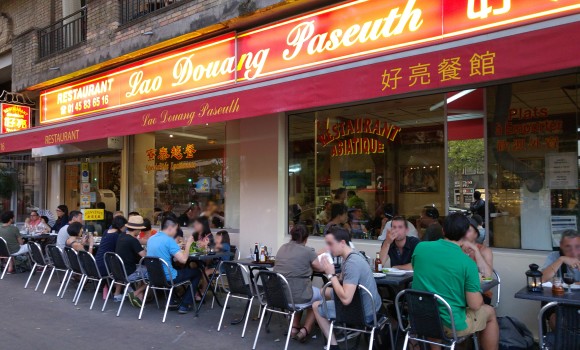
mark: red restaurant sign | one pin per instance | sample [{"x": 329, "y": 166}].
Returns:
[
  {"x": 14, "y": 118},
  {"x": 342, "y": 32}
]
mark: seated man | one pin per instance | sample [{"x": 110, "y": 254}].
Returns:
[
  {"x": 130, "y": 250},
  {"x": 355, "y": 271},
  {"x": 567, "y": 257},
  {"x": 163, "y": 245},
  {"x": 63, "y": 236},
  {"x": 11, "y": 235},
  {"x": 441, "y": 267},
  {"x": 398, "y": 247},
  {"x": 429, "y": 220}
]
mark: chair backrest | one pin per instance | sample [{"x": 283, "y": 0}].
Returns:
[
  {"x": 36, "y": 253},
  {"x": 56, "y": 256},
  {"x": 353, "y": 314},
  {"x": 115, "y": 267},
  {"x": 73, "y": 260},
  {"x": 276, "y": 290},
  {"x": 157, "y": 271},
  {"x": 89, "y": 265},
  {"x": 4, "y": 252},
  {"x": 422, "y": 310},
  {"x": 238, "y": 278},
  {"x": 567, "y": 327},
  {"x": 498, "y": 292}
]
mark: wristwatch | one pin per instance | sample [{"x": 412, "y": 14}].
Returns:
[{"x": 330, "y": 275}]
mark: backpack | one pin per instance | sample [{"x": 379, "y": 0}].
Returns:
[{"x": 514, "y": 335}]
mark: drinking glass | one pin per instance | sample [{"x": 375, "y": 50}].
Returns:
[{"x": 569, "y": 278}]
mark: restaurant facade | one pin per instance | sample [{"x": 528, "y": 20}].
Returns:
[{"x": 407, "y": 103}]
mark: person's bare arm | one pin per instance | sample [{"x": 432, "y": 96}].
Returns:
[
  {"x": 482, "y": 265},
  {"x": 404, "y": 267},
  {"x": 344, "y": 292},
  {"x": 20, "y": 241},
  {"x": 183, "y": 255},
  {"x": 550, "y": 271},
  {"x": 143, "y": 253},
  {"x": 474, "y": 300},
  {"x": 316, "y": 266}
]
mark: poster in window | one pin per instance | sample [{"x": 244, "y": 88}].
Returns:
[{"x": 562, "y": 171}]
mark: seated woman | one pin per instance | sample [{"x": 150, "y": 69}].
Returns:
[
  {"x": 75, "y": 241},
  {"x": 479, "y": 253},
  {"x": 109, "y": 242},
  {"x": 35, "y": 225},
  {"x": 295, "y": 261}
]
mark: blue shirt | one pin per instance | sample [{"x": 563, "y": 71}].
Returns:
[
  {"x": 226, "y": 249},
  {"x": 164, "y": 247}
]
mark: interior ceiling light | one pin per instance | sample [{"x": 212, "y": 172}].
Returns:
[
  {"x": 451, "y": 99},
  {"x": 182, "y": 134}
]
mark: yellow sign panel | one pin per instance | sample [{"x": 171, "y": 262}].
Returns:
[{"x": 93, "y": 214}]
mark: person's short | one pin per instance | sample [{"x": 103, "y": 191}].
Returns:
[
  {"x": 476, "y": 321},
  {"x": 316, "y": 296},
  {"x": 138, "y": 274}
]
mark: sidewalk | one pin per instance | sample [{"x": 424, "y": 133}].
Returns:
[{"x": 31, "y": 320}]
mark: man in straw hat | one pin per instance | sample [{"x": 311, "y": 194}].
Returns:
[{"x": 130, "y": 250}]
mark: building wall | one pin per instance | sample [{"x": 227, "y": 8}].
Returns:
[{"x": 110, "y": 42}]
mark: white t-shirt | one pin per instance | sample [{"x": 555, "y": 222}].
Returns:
[
  {"x": 62, "y": 237},
  {"x": 412, "y": 230}
]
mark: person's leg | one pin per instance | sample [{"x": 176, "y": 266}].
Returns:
[
  {"x": 192, "y": 275},
  {"x": 322, "y": 320},
  {"x": 489, "y": 337}
]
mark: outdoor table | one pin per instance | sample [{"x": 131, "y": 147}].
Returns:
[
  {"x": 202, "y": 259},
  {"x": 547, "y": 296},
  {"x": 253, "y": 265},
  {"x": 487, "y": 285},
  {"x": 401, "y": 281}
]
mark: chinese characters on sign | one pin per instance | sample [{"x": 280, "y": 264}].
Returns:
[
  {"x": 448, "y": 69},
  {"x": 174, "y": 157},
  {"x": 352, "y": 136},
  {"x": 14, "y": 117}
]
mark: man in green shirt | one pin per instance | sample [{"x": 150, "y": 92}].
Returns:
[
  {"x": 11, "y": 235},
  {"x": 441, "y": 267}
]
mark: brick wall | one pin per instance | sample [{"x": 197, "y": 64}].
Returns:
[{"x": 110, "y": 42}]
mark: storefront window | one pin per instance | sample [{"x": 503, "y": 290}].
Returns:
[
  {"x": 533, "y": 161},
  {"x": 173, "y": 170},
  {"x": 379, "y": 160}
]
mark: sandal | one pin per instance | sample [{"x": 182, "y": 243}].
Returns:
[
  {"x": 294, "y": 332},
  {"x": 301, "y": 337}
]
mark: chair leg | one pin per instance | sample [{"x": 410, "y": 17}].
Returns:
[
  {"x": 144, "y": 299},
  {"x": 156, "y": 299},
  {"x": 64, "y": 278},
  {"x": 259, "y": 327},
  {"x": 66, "y": 285},
  {"x": 6, "y": 267},
  {"x": 41, "y": 276},
  {"x": 123, "y": 299},
  {"x": 80, "y": 289},
  {"x": 289, "y": 329},
  {"x": 111, "y": 287},
  {"x": 223, "y": 312},
  {"x": 49, "y": 278},
  {"x": 30, "y": 275},
  {"x": 96, "y": 292},
  {"x": 372, "y": 340},
  {"x": 475, "y": 341},
  {"x": 167, "y": 304},
  {"x": 248, "y": 311},
  {"x": 215, "y": 290},
  {"x": 391, "y": 336},
  {"x": 406, "y": 341},
  {"x": 330, "y": 335}
]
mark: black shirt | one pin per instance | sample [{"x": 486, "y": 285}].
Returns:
[
  {"x": 397, "y": 258},
  {"x": 433, "y": 232},
  {"x": 128, "y": 248}
]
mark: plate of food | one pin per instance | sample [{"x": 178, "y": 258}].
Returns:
[
  {"x": 378, "y": 274},
  {"x": 394, "y": 272}
]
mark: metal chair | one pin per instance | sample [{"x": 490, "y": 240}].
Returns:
[
  {"x": 157, "y": 272},
  {"x": 75, "y": 269},
  {"x": 58, "y": 264},
  {"x": 117, "y": 272},
  {"x": 498, "y": 294},
  {"x": 352, "y": 317},
  {"x": 235, "y": 252},
  {"x": 277, "y": 298},
  {"x": 567, "y": 332},
  {"x": 240, "y": 286},
  {"x": 5, "y": 255},
  {"x": 424, "y": 319},
  {"x": 89, "y": 266},
  {"x": 39, "y": 261}
]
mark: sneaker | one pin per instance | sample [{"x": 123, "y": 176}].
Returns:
[
  {"x": 183, "y": 309},
  {"x": 118, "y": 298},
  {"x": 136, "y": 302},
  {"x": 173, "y": 305},
  {"x": 346, "y": 335}
]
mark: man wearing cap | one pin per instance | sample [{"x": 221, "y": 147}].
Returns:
[{"x": 130, "y": 250}]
